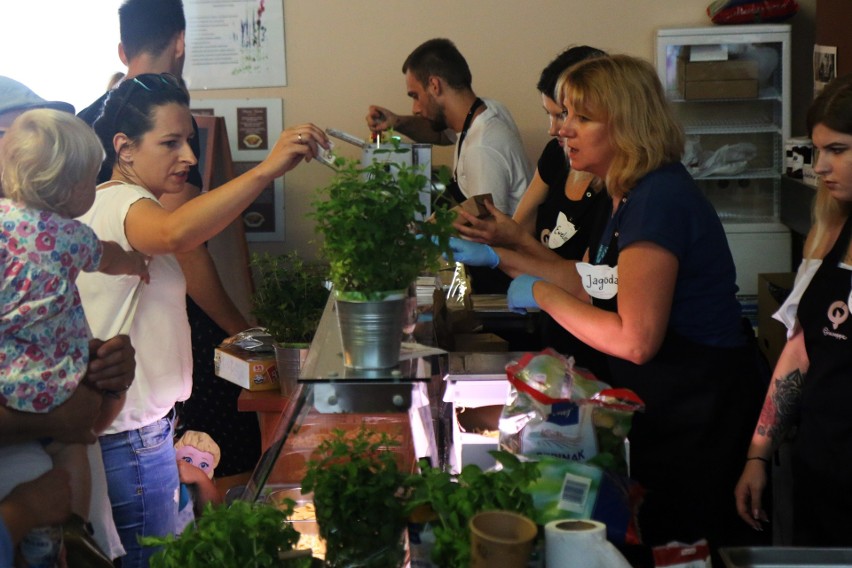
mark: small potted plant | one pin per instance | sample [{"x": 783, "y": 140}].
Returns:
[
  {"x": 449, "y": 501},
  {"x": 288, "y": 302},
  {"x": 377, "y": 240},
  {"x": 240, "y": 534},
  {"x": 359, "y": 495}
]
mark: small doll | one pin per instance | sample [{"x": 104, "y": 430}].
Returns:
[{"x": 197, "y": 457}]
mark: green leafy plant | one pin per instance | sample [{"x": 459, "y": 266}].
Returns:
[
  {"x": 290, "y": 296},
  {"x": 371, "y": 220},
  {"x": 241, "y": 534},
  {"x": 359, "y": 495},
  {"x": 449, "y": 501}
]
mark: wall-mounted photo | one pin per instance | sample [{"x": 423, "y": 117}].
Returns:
[
  {"x": 825, "y": 66},
  {"x": 252, "y": 126},
  {"x": 263, "y": 220}
]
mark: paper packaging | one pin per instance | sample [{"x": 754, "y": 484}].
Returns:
[
  {"x": 475, "y": 205},
  {"x": 580, "y": 544},
  {"x": 252, "y": 371}
]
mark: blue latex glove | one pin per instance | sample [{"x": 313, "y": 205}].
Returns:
[
  {"x": 520, "y": 294},
  {"x": 474, "y": 254}
]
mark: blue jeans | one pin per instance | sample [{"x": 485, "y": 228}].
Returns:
[{"x": 142, "y": 480}]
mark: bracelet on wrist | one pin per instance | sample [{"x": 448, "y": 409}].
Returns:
[{"x": 764, "y": 460}]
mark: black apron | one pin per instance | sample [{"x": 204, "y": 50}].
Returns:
[
  {"x": 822, "y": 451},
  {"x": 688, "y": 447}
]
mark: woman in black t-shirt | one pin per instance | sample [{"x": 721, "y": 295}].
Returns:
[{"x": 555, "y": 215}]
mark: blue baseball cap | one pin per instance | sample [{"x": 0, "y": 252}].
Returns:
[{"x": 16, "y": 96}]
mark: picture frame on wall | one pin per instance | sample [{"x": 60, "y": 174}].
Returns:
[
  {"x": 252, "y": 126},
  {"x": 263, "y": 220}
]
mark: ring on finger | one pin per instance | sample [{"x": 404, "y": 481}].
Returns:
[{"x": 300, "y": 138}]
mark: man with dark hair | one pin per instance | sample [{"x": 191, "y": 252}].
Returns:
[
  {"x": 490, "y": 155},
  {"x": 439, "y": 57},
  {"x": 151, "y": 27},
  {"x": 153, "y": 41}
]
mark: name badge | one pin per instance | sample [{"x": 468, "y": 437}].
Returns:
[
  {"x": 562, "y": 232},
  {"x": 599, "y": 281}
]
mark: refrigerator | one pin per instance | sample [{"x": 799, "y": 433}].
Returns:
[{"x": 730, "y": 88}]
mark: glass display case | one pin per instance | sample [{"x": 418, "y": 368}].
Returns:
[
  {"x": 730, "y": 88},
  {"x": 403, "y": 401}
]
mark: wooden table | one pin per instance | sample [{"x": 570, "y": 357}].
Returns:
[{"x": 268, "y": 405}]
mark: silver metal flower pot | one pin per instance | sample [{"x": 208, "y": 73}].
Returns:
[{"x": 371, "y": 332}]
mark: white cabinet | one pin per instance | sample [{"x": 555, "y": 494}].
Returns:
[{"x": 730, "y": 88}]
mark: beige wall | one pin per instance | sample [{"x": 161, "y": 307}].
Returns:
[{"x": 343, "y": 55}]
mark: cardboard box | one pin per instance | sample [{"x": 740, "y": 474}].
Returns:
[
  {"x": 480, "y": 343},
  {"x": 477, "y": 405},
  {"x": 475, "y": 206},
  {"x": 252, "y": 371},
  {"x": 709, "y": 80},
  {"x": 710, "y": 90},
  {"x": 729, "y": 70},
  {"x": 772, "y": 290}
]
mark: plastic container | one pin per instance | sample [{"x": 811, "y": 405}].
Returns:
[{"x": 303, "y": 518}]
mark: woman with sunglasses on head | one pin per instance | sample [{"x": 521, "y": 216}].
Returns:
[
  {"x": 145, "y": 128},
  {"x": 812, "y": 382},
  {"x": 658, "y": 296}
]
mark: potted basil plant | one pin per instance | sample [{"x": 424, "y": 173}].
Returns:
[
  {"x": 288, "y": 301},
  {"x": 360, "y": 499},
  {"x": 240, "y": 534},
  {"x": 377, "y": 240}
]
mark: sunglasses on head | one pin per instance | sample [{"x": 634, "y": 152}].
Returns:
[
  {"x": 158, "y": 81},
  {"x": 151, "y": 82}
]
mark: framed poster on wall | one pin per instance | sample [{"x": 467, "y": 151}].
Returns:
[
  {"x": 253, "y": 126},
  {"x": 235, "y": 44},
  {"x": 263, "y": 220}
]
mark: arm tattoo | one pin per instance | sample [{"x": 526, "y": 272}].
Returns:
[{"x": 781, "y": 409}]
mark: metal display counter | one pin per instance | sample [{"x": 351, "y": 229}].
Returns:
[{"x": 783, "y": 557}]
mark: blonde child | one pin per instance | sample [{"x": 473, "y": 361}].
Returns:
[{"x": 48, "y": 165}]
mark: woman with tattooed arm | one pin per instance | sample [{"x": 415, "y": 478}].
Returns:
[{"x": 812, "y": 383}]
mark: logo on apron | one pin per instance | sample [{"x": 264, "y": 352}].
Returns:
[
  {"x": 838, "y": 312},
  {"x": 599, "y": 281}
]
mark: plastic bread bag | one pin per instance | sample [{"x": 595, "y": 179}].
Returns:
[
  {"x": 557, "y": 409},
  {"x": 255, "y": 339}
]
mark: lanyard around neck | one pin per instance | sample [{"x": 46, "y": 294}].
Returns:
[
  {"x": 608, "y": 233},
  {"x": 467, "y": 122}
]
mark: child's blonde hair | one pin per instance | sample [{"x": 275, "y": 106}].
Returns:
[
  {"x": 47, "y": 154},
  {"x": 200, "y": 441}
]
